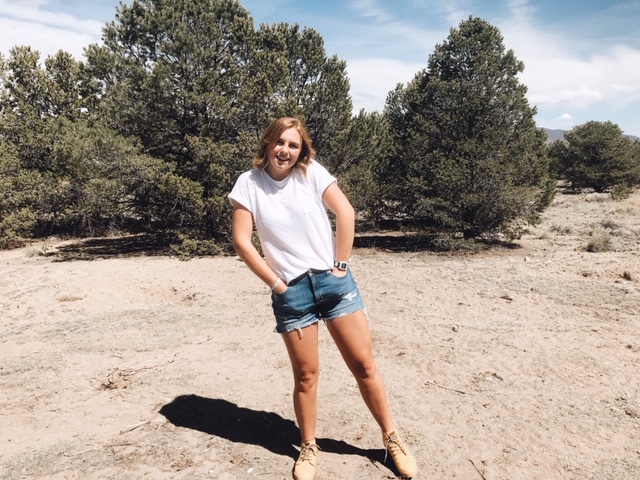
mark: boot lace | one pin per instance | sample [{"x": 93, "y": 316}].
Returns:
[
  {"x": 393, "y": 445},
  {"x": 308, "y": 453}
]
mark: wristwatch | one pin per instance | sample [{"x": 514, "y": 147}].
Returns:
[{"x": 341, "y": 265}]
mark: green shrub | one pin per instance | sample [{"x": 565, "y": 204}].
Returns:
[
  {"x": 597, "y": 155},
  {"x": 19, "y": 195},
  {"x": 16, "y": 228},
  {"x": 621, "y": 191}
]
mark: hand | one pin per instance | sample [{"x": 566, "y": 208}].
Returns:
[{"x": 339, "y": 273}]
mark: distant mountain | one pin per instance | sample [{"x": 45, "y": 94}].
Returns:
[{"x": 553, "y": 135}]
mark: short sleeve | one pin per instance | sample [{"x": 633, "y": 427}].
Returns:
[
  {"x": 320, "y": 177},
  {"x": 241, "y": 191}
]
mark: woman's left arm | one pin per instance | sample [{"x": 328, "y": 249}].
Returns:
[{"x": 339, "y": 204}]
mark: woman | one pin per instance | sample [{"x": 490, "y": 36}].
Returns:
[{"x": 306, "y": 267}]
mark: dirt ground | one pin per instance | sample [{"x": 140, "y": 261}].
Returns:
[{"x": 516, "y": 363}]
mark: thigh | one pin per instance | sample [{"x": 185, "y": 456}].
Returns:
[
  {"x": 302, "y": 347},
  {"x": 353, "y": 338}
]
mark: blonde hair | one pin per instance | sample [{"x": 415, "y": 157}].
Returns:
[{"x": 271, "y": 136}]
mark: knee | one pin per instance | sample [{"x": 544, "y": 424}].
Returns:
[
  {"x": 365, "y": 369},
  {"x": 307, "y": 379}
]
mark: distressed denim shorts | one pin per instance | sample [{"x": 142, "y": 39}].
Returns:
[{"x": 313, "y": 296}]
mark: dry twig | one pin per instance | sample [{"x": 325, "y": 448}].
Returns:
[
  {"x": 446, "y": 388},
  {"x": 478, "y": 470},
  {"x": 131, "y": 428}
]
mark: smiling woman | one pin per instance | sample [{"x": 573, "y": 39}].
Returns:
[
  {"x": 280, "y": 151},
  {"x": 307, "y": 270}
]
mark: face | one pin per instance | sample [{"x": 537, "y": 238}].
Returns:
[{"x": 283, "y": 155}]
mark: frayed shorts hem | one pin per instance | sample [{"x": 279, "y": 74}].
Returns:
[
  {"x": 313, "y": 321},
  {"x": 315, "y": 295}
]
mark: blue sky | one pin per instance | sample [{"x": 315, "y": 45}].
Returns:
[{"x": 582, "y": 57}]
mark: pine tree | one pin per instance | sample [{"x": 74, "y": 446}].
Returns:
[
  {"x": 467, "y": 156},
  {"x": 597, "y": 155}
]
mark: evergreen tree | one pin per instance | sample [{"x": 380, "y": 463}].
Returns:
[
  {"x": 467, "y": 156},
  {"x": 26, "y": 108},
  {"x": 597, "y": 155},
  {"x": 360, "y": 150},
  {"x": 32, "y": 102},
  {"x": 196, "y": 84},
  {"x": 297, "y": 79},
  {"x": 63, "y": 171},
  {"x": 171, "y": 70},
  {"x": 18, "y": 198}
]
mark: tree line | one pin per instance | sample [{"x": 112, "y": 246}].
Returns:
[{"x": 149, "y": 133}]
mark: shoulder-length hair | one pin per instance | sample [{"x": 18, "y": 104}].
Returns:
[{"x": 271, "y": 136}]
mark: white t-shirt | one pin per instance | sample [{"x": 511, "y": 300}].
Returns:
[{"x": 291, "y": 220}]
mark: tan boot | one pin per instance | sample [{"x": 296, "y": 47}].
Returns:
[
  {"x": 305, "y": 466},
  {"x": 405, "y": 463}
]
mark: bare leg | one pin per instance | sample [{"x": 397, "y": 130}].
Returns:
[
  {"x": 353, "y": 339},
  {"x": 302, "y": 347}
]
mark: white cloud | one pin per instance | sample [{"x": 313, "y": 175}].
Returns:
[
  {"x": 369, "y": 8},
  {"x": 580, "y": 96},
  {"x": 43, "y": 38},
  {"x": 453, "y": 11},
  {"x": 566, "y": 80},
  {"x": 372, "y": 79},
  {"x": 559, "y": 77},
  {"x": 390, "y": 30},
  {"x": 520, "y": 10},
  {"x": 31, "y": 13},
  {"x": 565, "y": 121},
  {"x": 25, "y": 3},
  {"x": 26, "y": 23}
]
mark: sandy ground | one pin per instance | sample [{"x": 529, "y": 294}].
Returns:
[{"x": 521, "y": 363}]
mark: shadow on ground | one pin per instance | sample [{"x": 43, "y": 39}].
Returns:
[
  {"x": 117, "y": 247},
  {"x": 152, "y": 245},
  {"x": 394, "y": 243},
  {"x": 419, "y": 242},
  {"x": 268, "y": 430}
]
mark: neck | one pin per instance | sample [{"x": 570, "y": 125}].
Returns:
[{"x": 277, "y": 175}]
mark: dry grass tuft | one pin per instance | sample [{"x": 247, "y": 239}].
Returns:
[
  {"x": 597, "y": 197},
  {"x": 69, "y": 298},
  {"x": 600, "y": 240},
  {"x": 561, "y": 229},
  {"x": 609, "y": 224},
  {"x": 34, "y": 252}
]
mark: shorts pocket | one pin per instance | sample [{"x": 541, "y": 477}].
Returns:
[
  {"x": 291, "y": 303},
  {"x": 338, "y": 287}
]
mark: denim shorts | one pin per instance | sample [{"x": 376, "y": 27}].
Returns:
[{"x": 313, "y": 296}]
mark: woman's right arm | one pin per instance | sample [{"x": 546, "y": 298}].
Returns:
[{"x": 242, "y": 223}]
